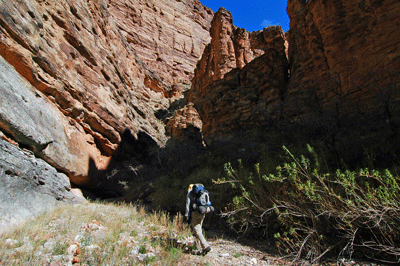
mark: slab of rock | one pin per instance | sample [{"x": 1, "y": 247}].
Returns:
[
  {"x": 344, "y": 56},
  {"x": 231, "y": 48},
  {"x": 33, "y": 121},
  {"x": 29, "y": 185}
]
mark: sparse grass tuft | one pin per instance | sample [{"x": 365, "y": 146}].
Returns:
[{"x": 237, "y": 255}]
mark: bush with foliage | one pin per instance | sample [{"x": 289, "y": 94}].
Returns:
[{"x": 311, "y": 214}]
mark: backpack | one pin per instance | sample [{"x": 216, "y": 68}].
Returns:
[{"x": 201, "y": 195}]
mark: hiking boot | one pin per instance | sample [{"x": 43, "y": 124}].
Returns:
[
  {"x": 206, "y": 250},
  {"x": 197, "y": 252}
]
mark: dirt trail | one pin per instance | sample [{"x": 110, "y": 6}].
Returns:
[
  {"x": 229, "y": 252},
  {"x": 225, "y": 251}
]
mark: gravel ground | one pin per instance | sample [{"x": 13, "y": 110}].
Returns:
[
  {"x": 226, "y": 252},
  {"x": 230, "y": 252}
]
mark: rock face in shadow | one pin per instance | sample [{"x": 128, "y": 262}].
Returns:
[
  {"x": 29, "y": 185},
  {"x": 344, "y": 75},
  {"x": 337, "y": 81},
  {"x": 343, "y": 54}
]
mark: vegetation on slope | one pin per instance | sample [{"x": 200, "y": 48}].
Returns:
[
  {"x": 301, "y": 207},
  {"x": 304, "y": 206},
  {"x": 96, "y": 234},
  {"x": 311, "y": 212}
]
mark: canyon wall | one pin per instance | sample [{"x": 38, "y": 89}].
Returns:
[
  {"x": 168, "y": 36},
  {"x": 88, "y": 71},
  {"x": 232, "y": 48},
  {"x": 339, "y": 83},
  {"x": 342, "y": 53},
  {"x": 240, "y": 79},
  {"x": 344, "y": 76},
  {"x": 87, "y": 85}
]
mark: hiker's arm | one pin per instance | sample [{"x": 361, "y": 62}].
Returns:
[
  {"x": 187, "y": 211},
  {"x": 188, "y": 202}
]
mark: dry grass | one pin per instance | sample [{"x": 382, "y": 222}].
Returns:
[{"x": 95, "y": 234}]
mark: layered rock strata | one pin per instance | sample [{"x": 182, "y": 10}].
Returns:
[
  {"x": 168, "y": 36},
  {"x": 344, "y": 56},
  {"x": 184, "y": 119},
  {"x": 241, "y": 77},
  {"x": 231, "y": 48},
  {"x": 85, "y": 82},
  {"x": 33, "y": 121},
  {"x": 340, "y": 84},
  {"x": 344, "y": 85}
]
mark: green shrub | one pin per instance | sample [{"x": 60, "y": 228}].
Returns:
[
  {"x": 142, "y": 249},
  {"x": 312, "y": 214}
]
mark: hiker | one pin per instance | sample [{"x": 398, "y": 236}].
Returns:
[{"x": 197, "y": 205}]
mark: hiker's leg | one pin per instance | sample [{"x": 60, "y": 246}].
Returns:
[{"x": 197, "y": 222}]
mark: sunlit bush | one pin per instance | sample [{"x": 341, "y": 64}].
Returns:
[{"x": 311, "y": 213}]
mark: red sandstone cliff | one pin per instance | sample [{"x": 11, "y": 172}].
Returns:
[
  {"x": 93, "y": 63},
  {"x": 340, "y": 83},
  {"x": 168, "y": 36},
  {"x": 344, "y": 68},
  {"x": 240, "y": 79},
  {"x": 344, "y": 85},
  {"x": 102, "y": 68},
  {"x": 231, "y": 48},
  {"x": 340, "y": 51}
]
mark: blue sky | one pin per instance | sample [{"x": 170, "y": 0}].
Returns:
[{"x": 253, "y": 14}]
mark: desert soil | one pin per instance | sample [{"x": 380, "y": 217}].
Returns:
[{"x": 227, "y": 251}]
